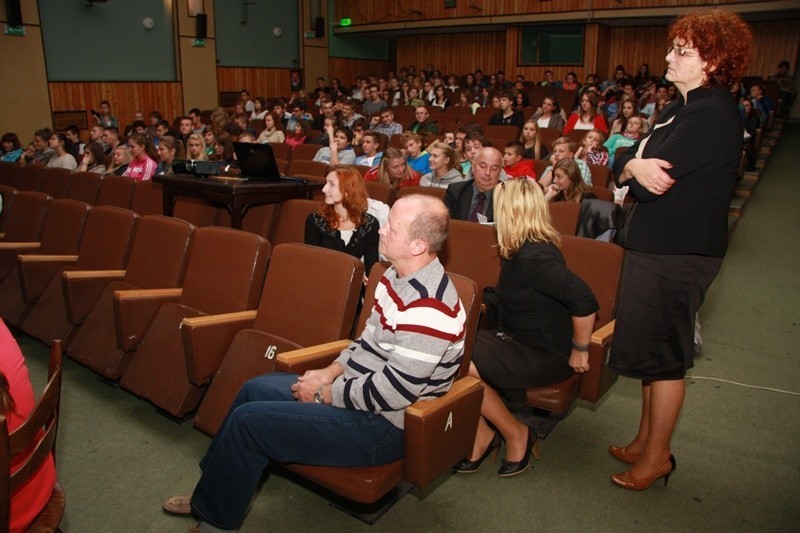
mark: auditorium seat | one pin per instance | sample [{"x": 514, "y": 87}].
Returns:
[
  {"x": 198, "y": 212},
  {"x": 60, "y": 237},
  {"x": 158, "y": 261},
  {"x": 56, "y": 182},
  {"x": 291, "y": 221},
  {"x": 601, "y": 175},
  {"x": 305, "y": 152},
  {"x": 26, "y": 216},
  {"x": 30, "y": 177},
  {"x": 307, "y": 168},
  {"x": 7, "y": 194},
  {"x": 505, "y": 133},
  {"x": 430, "y": 191},
  {"x": 225, "y": 275},
  {"x": 471, "y": 251},
  {"x": 9, "y": 173},
  {"x": 548, "y": 135},
  {"x": 564, "y": 216},
  {"x": 147, "y": 198},
  {"x": 116, "y": 191},
  {"x": 381, "y": 192},
  {"x": 293, "y": 312},
  {"x": 281, "y": 150},
  {"x": 602, "y": 193},
  {"x": 84, "y": 187},
  {"x": 437, "y": 432},
  {"x": 105, "y": 245}
]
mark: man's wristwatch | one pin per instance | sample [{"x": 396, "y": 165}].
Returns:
[{"x": 318, "y": 396}]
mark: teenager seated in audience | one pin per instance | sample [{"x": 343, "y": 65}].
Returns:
[
  {"x": 120, "y": 158},
  {"x": 427, "y": 92},
  {"x": 564, "y": 148},
  {"x": 541, "y": 317},
  {"x": 142, "y": 165},
  {"x": 592, "y": 150},
  {"x": 787, "y": 90},
  {"x": 342, "y": 222},
  {"x": 240, "y": 121},
  {"x": 414, "y": 99},
  {"x": 259, "y": 108},
  {"x": 17, "y": 401},
  {"x": 374, "y": 104},
  {"x": 339, "y": 150},
  {"x": 196, "y": 147},
  {"x": 371, "y": 148},
  {"x": 385, "y": 124},
  {"x": 301, "y": 134},
  {"x": 298, "y": 113},
  {"x": 440, "y": 100},
  {"x": 93, "y": 159},
  {"x": 10, "y": 148},
  {"x": 153, "y": 119},
  {"x": 42, "y": 151},
  {"x": 244, "y": 102},
  {"x": 449, "y": 138},
  {"x": 337, "y": 91},
  {"x": 273, "y": 130},
  {"x": 360, "y": 125},
  {"x": 327, "y": 109},
  {"x": 549, "y": 115},
  {"x": 444, "y": 166},
  {"x": 471, "y": 143},
  {"x": 514, "y": 164},
  {"x": 349, "y": 115},
  {"x": 76, "y": 145},
  {"x": 417, "y": 157},
  {"x": 550, "y": 80},
  {"x": 103, "y": 117},
  {"x": 394, "y": 170},
  {"x": 169, "y": 149},
  {"x": 196, "y": 117},
  {"x": 401, "y": 97},
  {"x": 570, "y": 82},
  {"x": 761, "y": 102},
  {"x": 521, "y": 99},
  {"x": 424, "y": 125},
  {"x": 531, "y": 141},
  {"x": 111, "y": 138},
  {"x": 634, "y": 129},
  {"x": 627, "y": 110},
  {"x": 223, "y": 149},
  {"x": 466, "y": 99},
  {"x": 61, "y": 157},
  {"x": 96, "y": 136},
  {"x": 507, "y": 115},
  {"x": 643, "y": 76},
  {"x": 587, "y": 117},
  {"x": 208, "y": 139},
  {"x": 567, "y": 185}
]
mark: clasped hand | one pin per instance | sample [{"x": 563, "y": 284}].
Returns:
[{"x": 308, "y": 384}]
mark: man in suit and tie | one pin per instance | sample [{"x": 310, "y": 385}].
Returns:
[{"x": 472, "y": 200}]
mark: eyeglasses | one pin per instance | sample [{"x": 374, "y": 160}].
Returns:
[{"x": 680, "y": 51}]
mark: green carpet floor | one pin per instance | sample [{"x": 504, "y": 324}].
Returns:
[{"x": 737, "y": 447}]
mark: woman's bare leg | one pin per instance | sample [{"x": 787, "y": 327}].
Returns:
[{"x": 666, "y": 400}]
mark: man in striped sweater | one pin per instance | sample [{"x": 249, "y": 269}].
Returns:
[{"x": 350, "y": 413}]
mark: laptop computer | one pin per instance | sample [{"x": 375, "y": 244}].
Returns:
[{"x": 256, "y": 161}]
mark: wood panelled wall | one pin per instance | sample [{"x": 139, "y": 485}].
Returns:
[
  {"x": 456, "y": 53},
  {"x": 774, "y": 42},
  {"x": 348, "y": 70},
  {"x": 630, "y": 47},
  {"x": 384, "y": 11},
  {"x": 125, "y": 98},
  {"x": 266, "y": 82}
]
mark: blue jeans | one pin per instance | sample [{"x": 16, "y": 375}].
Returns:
[{"x": 265, "y": 422}]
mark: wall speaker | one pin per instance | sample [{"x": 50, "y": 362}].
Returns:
[
  {"x": 202, "y": 26},
  {"x": 319, "y": 27},
  {"x": 14, "y": 12}
]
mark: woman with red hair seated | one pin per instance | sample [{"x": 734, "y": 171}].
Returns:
[{"x": 342, "y": 222}]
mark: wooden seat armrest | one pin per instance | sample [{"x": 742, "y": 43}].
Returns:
[
  {"x": 135, "y": 309},
  {"x": 19, "y": 246},
  {"x": 440, "y": 432},
  {"x": 82, "y": 288},
  {"x": 36, "y": 271},
  {"x": 313, "y": 357},
  {"x": 206, "y": 340},
  {"x": 596, "y": 382}
]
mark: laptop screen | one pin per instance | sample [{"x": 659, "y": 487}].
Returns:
[{"x": 256, "y": 161}]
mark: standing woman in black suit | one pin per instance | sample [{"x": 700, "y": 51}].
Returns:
[{"x": 682, "y": 176}]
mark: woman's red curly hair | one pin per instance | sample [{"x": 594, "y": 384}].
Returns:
[
  {"x": 723, "y": 39},
  {"x": 354, "y": 197}
]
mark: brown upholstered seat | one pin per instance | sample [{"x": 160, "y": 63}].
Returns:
[
  {"x": 26, "y": 216},
  {"x": 306, "y": 167},
  {"x": 292, "y": 312},
  {"x": 431, "y": 191},
  {"x": 30, "y": 177},
  {"x": 157, "y": 261},
  {"x": 471, "y": 251},
  {"x": 564, "y": 216},
  {"x": 504, "y": 133},
  {"x": 547, "y": 136},
  {"x": 9, "y": 173},
  {"x": 602, "y": 193},
  {"x": 38, "y": 430},
  {"x": 198, "y": 212},
  {"x": 437, "y": 432},
  {"x": 147, "y": 198},
  {"x": 116, "y": 191},
  {"x": 281, "y": 151},
  {"x": 105, "y": 245},
  {"x": 291, "y": 221},
  {"x": 56, "y": 182},
  {"x": 381, "y": 192},
  {"x": 225, "y": 275},
  {"x": 7, "y": 194},
  {"x": 601, "y": 175},
  {"x": 84, "y": 187}
]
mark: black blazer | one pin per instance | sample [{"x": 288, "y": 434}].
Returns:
[{"x": 458, "y": 200}]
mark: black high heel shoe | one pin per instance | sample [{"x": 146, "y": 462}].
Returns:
[
  {"x": 517, "y": 467},
  {"x": 465, "y": 466}
]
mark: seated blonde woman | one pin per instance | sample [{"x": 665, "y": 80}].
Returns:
[
  {"x": 394, "y": 170},
  {"x": 196, "y": 147},
  {"x": 567, "y": 185},
  {"x": 444, "y": 165},
  {"x": 541, "y": 316}
]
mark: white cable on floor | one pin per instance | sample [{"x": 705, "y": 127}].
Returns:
[{"x": 744, "y": 385}]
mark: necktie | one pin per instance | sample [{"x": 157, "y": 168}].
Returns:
[{"x": 480, "y": 199}]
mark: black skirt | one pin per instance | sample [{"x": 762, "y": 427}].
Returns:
[
  {"x": 658, "y": 302},
  {"x": 510, "y": 367}
]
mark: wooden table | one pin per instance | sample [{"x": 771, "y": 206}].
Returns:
[{"x": 236, "y": 194}]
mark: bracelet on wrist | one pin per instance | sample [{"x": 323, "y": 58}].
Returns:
[{"x": 580, "y": 347}]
